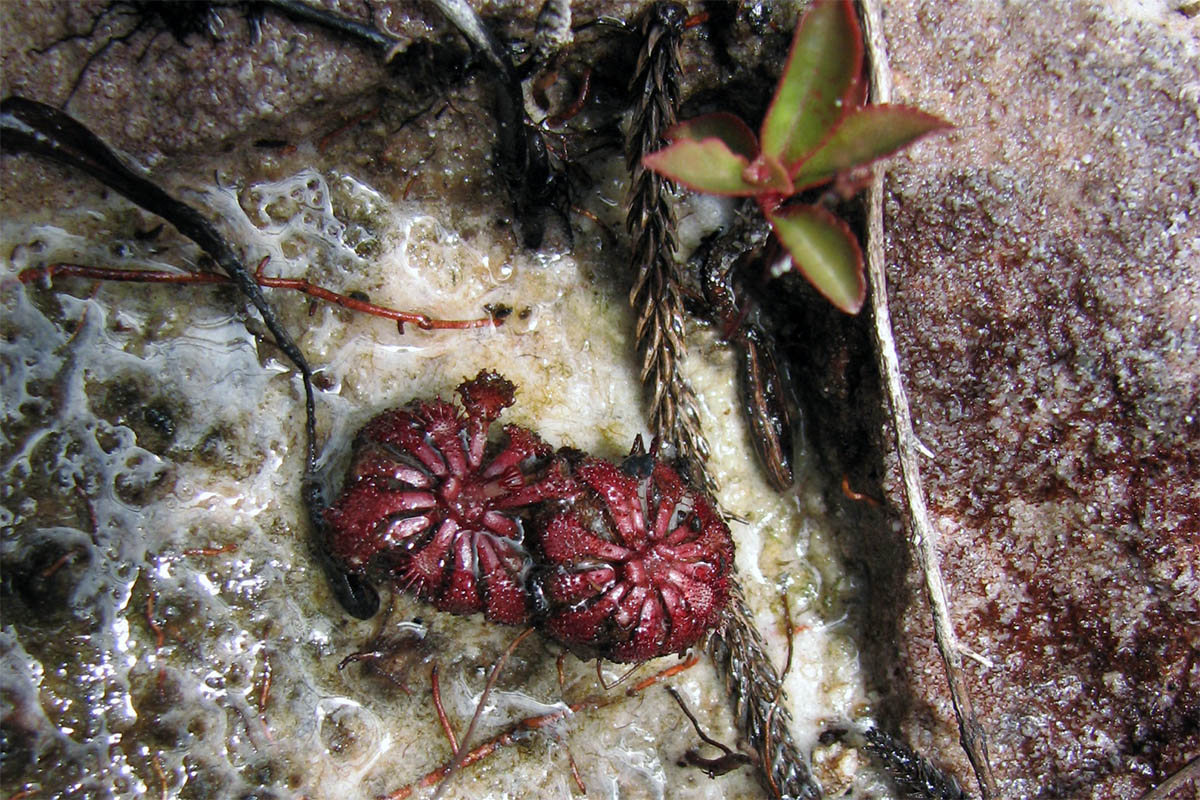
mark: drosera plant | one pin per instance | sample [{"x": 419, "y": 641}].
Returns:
[{"x": 817, "y": 129}]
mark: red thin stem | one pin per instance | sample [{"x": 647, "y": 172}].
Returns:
[
  {"x": 577, "y": 106},
  {"x": 558, "y": 665},
  {"x": 211, "y": 551},
  {"x": 457, "y": 762},
  {"x": 447, "y": 728},
  {"x": 575, "y": 773},
  {"x": 162, "y": 776},
  {"x": 264, "y": 692},
  {"x": 666, "y": 673},
  {"x": 422, "y": 321},
  {"x": 159, "y": 638},
  {"x": 49, "y": 571},
  {"x": 329, "y": 138},
  {"x": 857, "y": 496},
  {"x": 408, "y": 186},
  {"x": 513, "y": 733}
]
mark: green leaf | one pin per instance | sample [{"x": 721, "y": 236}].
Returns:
[
  {"x": 825, "y": 251},
  {"x": 707, "y": 165},
  {"x": 866, "y": 134},
  {"x": 729, "y": 128},
  {"x": 818, "y": 83}
]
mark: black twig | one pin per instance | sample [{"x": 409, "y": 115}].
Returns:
[
  {"x": 350, "y": 28},
  {"x": 727, "y": 762},
  {"x": 521, "y": 157}
]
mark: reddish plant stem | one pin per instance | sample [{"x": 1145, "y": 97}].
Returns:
[
  {"x": 408, "y": 186},
  {"x": 422, "y": 321},
  {"x": 670, "y": 672},
  {"x": 211, "y": 551},
  {"x": 328, "y": 139},
  {"x": 162, "y": 776},
  {"x": 575, "y": 773},
  {"x": 790, "y": 628},
  {"x": 93, "y": 523},
  {"x": 69, "y": 556},
  {"x": 513, "y": 733},
  {"x": 857, "y": 497},
  {"x": 484, "y": 750},
  {"x": 447, "y": 728},
  {"x": 687, "y": 712},
  {"x": 558, "y": 666},
  {"x": 159, "y": 637},
  {"x": 575, "y": 107},
  {"x": 264, "y": 692},
  {"x": 772, "y": 786},
  {"x": 456, "y": 762},
  {"x": 609, "y": 686}
]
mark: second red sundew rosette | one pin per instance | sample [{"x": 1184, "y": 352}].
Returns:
[
  {"x": 636, "y": 566},
  {"x": 432, "y": 505}
]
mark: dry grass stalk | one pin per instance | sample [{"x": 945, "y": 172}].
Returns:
[
  {"x": 656, "y": 294},
  {"x": 760, "y": 706}
]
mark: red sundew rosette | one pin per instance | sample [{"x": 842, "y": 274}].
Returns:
[
  {"x": 430, "y": 504},
  {"x": 636, "y": 567}
]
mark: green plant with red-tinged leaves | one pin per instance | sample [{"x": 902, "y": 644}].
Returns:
[{"x": 817, "y": 128}]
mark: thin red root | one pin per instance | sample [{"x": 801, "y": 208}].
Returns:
[
  {"x": 514, "y": 731},
  {"x": 577, "y": 106},
  {"x": 329, "y": 138},
  {"x": 402, "y": 318},
  {"x": 447, "y": 728},
  {"x": 162, "y": 776},
  {"x": 408, "y": 187},
  {"x": 60, "y": 563},
  {"x": 790, "y": 628},
  {"x": 558, "y": 665},
  {"x": 670, "y": 672},
  {"x": 607, "y": 686},
  {"x": 211, "y": 551},
  {"x": 456, "y": 762},
  {"x": 264, "y": 692},
  {"x": 768, "y": 766},
  {"x": 856, "y": 496},
  {"x": 94, "y": 524},
  {"x": 484, "y": 750},
  {"x": 575, "y": 773},
  {"x": 159, "y": 637}
]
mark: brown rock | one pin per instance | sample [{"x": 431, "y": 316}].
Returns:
[{"x": 1045, "y": 284}]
